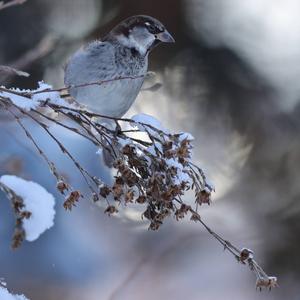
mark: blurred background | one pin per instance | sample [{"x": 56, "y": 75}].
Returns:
[{"x": 232, "y": 80}]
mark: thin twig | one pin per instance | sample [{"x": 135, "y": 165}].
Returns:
[
  {"x": 11, "y": 3},
  {"x": 6, "y": 71},
  {"x": 139, "y": 168},
  {"x": 99, "y": 82},
  {"x": 83, "y": 171},
  {"x": 50, "y": 164},
  {"x": 43, "y": 48}
]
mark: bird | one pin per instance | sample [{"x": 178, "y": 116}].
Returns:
[{"x": 106, "y": 75}]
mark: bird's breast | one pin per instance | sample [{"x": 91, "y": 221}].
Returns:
[
  {"x": 112, "y": 98},
  {"x": 109, "y": 83}
]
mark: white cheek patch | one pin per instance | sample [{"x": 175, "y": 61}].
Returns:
[{"x": 140, "y": 40}]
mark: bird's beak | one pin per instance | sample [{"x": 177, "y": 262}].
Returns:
[{"x": 165, "y": 37}]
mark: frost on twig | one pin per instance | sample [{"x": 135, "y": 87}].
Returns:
[
  {"x": 153, "y": 166},
  {"x": 262, "y": 279}
]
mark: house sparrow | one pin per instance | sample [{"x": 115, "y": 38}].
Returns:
[{"x": 123, "y": 52}]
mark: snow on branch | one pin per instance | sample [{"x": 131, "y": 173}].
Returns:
[
  {"x": 33, "y": 207},
  {"x": 154, "y": 167}
]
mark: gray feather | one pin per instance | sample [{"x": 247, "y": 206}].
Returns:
[{"x": 101, "y": 61}]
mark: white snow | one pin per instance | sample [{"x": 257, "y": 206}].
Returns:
[
  {"x": 186, "y": 136},
  {"x": 249, "y": 252},
  {"x": 209, "y": 185},
  {"x": 20, "y": 101},
  {"x": 41, "y": 94},
  {"x": 181, "y": 176},
  {"x": 99, "y": 152},
  {"x": 6, "y": 295},
  {"x": 124, "y": 141},
  {"x": 46, "y": 94},
  {"x": 153, "y": 148},
  {"x": 149, "y": 120},
  {"x": 36, "y": 200}
]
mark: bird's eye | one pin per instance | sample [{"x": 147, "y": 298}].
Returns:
[{"x": 151, "y": 28}]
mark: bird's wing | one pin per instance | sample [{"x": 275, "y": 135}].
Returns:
[{"x": 95, "y": 62}]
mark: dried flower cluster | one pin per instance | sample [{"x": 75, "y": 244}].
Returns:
[
  {"x": 153, "y": 167},
  {"x": 157, "y": 176},
  {"x": 20, "y": 214}
]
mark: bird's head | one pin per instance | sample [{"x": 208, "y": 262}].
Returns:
[{"x": 141, "y": 33}]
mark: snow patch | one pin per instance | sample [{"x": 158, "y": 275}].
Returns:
[
  {"x": 148, "y": 120},
  {"x": 37, "y": 201},
  {"x": 185, "y": 136},
  {"x": 6, "y": 295},
  {"x": 44, "y": 93},
  {"x": 20, "y": 101}
]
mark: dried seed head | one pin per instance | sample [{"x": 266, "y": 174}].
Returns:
[
  {"x": 141, "y": 199},
  {"x": 129, "y": 196},
  {"x": 167, "y": 146},
  {"x": 111, "y": 209},
  {"x": 195, "y": 217},
  {"x": 17, "y": 204},
  {"x": 25, "y": 214},
  {"x": 203, "y": 197},
  {"x": 104, "y": 191},
  {"x": 150, "y": 213},
  {"x": 129, "y": 150},
  {"x": 62, "y": 186},
  {"x": 117, "y": 191},
  {"x": 71, "y": 200},
  {"x": 182, "y": 211},
  {"x": 118, "y": 164},
  {"x": 18, "y": 238},
  {"x": 154, "y": 225},
  {"x": 129, "y": 177},
  {"x": 246, "y": 254},
  {"x": 268, "y": 282}
]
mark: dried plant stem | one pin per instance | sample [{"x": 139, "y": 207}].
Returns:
[
  {"x": 11, "y": 3},
  {"x": 6, "y": 71},
  {"x": 41, "y": 49},
  {"x": 64, "y": 150},
  {"x": 155, "y": 173},
  {"x": 73, "y": 129},
  {"x": 50, "y": 164}
]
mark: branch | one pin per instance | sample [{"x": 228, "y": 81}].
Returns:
[
  {"x": 44, "y": 47},
  {"x": 11, "y": 3},
  {"x": 6, "y": 71},
  {"x": 156, "y": 172},
  {"x": 40, "y": 50}
]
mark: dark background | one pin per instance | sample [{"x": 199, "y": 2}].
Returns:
[{"x": 231, "y": 79}]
